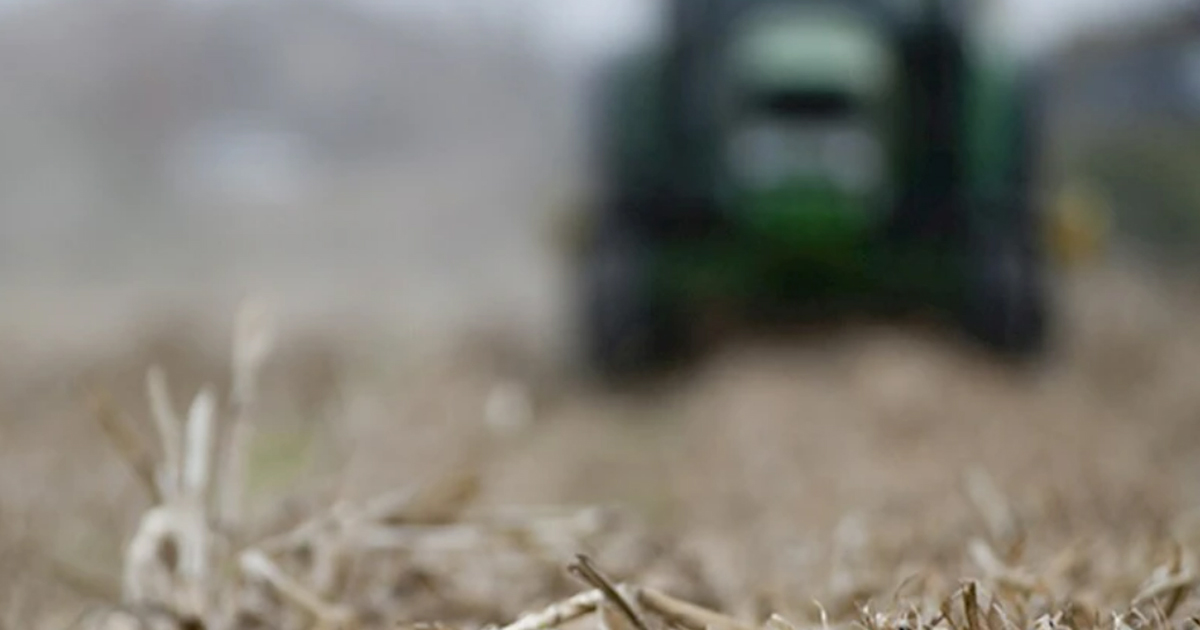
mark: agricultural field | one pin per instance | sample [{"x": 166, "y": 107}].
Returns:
[
  {"x": 307, "y": 371},
  {"x": 886, "y": 478}
]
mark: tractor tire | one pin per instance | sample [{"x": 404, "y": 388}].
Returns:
[
  {"x": 626, "y": 328},
  {"x": 1007, "y": 303}
]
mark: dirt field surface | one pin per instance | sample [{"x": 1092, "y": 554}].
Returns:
[{"x": 864, "y": 475}]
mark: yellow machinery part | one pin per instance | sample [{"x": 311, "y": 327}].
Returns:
[{"x": 1079, "y": 226}]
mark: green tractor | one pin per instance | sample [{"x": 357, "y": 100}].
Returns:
[{"x": 813, "y": 156}]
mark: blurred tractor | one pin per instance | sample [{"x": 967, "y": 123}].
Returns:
[{"x": 785, "y": 157}]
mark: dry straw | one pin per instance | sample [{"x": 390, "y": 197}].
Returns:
[{"x": 194, "y": 562}]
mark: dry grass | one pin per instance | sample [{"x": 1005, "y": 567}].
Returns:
[{"x": 869, "y": 479}]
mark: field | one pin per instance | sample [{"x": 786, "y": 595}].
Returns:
[
  {"x": 399, "y": 443},
  {"x": 861, "y": 475}
]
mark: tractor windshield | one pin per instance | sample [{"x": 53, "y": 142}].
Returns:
[{"x": 832, "y": 55}]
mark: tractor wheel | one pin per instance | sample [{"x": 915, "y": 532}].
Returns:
[
  {"x": 627, "y": 331},
  {"x": 1007, "y": 306}
]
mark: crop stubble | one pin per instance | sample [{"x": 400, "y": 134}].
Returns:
[{"x": 870, "y": 478}]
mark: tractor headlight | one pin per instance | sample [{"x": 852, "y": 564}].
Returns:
[
  {"x": 853, "y": 158},
  {"x": 764, "y": 156},
  {"x": 760, "y": 156}
]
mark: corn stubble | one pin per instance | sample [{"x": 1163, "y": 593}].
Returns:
[{"x": 424, "y": 558}]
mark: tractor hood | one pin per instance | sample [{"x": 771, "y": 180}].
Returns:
[{"x": 810, "y": 47}]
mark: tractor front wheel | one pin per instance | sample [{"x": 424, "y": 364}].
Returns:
[
  {"x": 627, "y": 327},
  {"x": 1007, "y": 306}
]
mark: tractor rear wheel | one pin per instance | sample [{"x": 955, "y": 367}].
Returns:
[
  {"x": 1007, "y": 306},
  {"x": 628, "y": 329}
]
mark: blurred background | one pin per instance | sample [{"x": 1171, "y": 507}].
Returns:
[
  {"x": 358, "y": 145},
  {"x": 387, "y": 172}
]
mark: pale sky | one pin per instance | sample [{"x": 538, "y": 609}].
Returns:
[
  {"x": 587, "y": 27},
  {"x": 583, "y": 28}
]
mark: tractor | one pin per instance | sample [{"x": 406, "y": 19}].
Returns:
[{"x": 788, "y": 157}]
